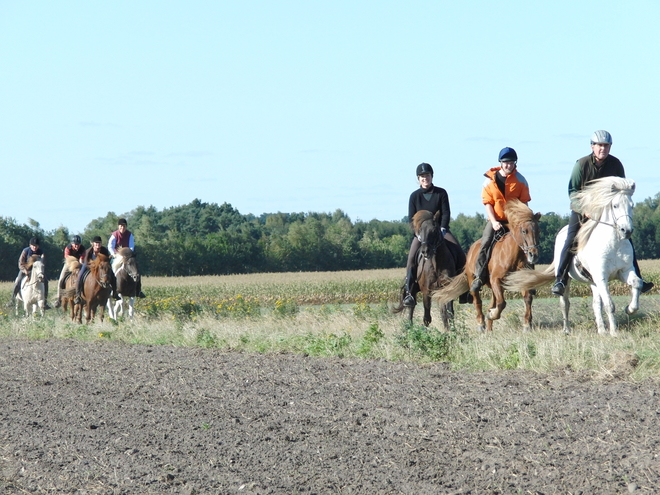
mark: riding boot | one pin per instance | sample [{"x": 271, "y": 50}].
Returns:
[
  {"x": 479, "y": 265},
  {"x": 408, "y": 299},
  {"x": 78, "y": 298},
  {"x": 113, "y": 284},
  {"x": 562, "y": 271}
]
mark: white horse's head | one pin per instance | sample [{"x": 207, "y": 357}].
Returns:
[
  {"x": 38, "y": 271},
  {"x": 606, "y": 201}
]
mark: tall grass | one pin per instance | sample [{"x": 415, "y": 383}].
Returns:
[{"x": 348, "y": 314}]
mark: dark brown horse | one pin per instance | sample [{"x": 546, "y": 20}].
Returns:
[
  {"x": 437, "y": 262},
  {"x": 96, "y": 289},
  {"x": 517, "y": 249}
]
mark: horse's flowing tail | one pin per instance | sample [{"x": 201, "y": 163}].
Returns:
[
  {"x": 527, "y": 279},
  {"x": 456, "y": 286}
]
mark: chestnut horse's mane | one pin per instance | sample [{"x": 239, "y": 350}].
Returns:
[{"x": 518, "y": 212}]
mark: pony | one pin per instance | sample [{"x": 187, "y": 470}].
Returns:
[
  {"x": 603, "y": 251},
  {"x": 437, "y": 261},
  {"x": 96, "y": 289},
  {"x": 514, "y": 250},
  {"x": 69, "y": 287},
  {"x": 33, "y": 289},
  {"x": 124, "y": 266}
]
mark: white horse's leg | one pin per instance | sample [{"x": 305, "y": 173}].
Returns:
[
  {"x": 565, "y": 305},
  {"x": 131, "y": 302},
  {"x": 636, "y": 283},
  {"x": 603, "y": 300}
]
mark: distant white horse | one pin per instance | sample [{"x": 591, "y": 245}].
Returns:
[
  {"x": 33, "y": 290},
  {"x": 604, "y": 251}
]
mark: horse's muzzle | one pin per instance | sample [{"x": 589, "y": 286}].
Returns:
[{"x": 533, "y": 256}]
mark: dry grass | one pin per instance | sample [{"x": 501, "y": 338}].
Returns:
[{"x": 347, "y": 314}]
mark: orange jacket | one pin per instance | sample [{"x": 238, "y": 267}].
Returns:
[{"x": 514, "y": 187}]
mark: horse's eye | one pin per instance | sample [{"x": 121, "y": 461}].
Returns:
[{"x": 524, "y": 231}]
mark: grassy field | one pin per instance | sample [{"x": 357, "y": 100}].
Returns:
[{"x": 349, "y": 314}]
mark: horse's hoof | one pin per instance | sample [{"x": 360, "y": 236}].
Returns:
[
  {"x": 525, "y": 328},
  {"x": 631, "y": 311},
  {"x": 480, "y": 328}
]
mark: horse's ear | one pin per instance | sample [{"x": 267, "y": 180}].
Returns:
[
  {"x": 537, "y": 215},
  {"x": 436, "y": 217}
]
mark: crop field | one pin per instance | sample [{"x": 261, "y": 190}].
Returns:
[{"x": 348, "y": 314}]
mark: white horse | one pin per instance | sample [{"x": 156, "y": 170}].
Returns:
[
  {"x": 33, "y": 290},
  {"x": 604, "y": 251}
]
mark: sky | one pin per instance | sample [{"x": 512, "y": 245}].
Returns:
[{"x": 298, "y": 106}]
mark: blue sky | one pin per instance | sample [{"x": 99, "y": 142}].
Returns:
[{"x": 312, "y": 106}]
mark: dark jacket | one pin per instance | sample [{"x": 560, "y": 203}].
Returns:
[{"x": 585, "y": 170}]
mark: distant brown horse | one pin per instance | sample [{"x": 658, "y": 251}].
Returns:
[
  {"x": 517, "y": 249},
  {"x": 437, "y": 262},
  {"x": 96, "y": 289},
  {"x": 68, "y": 290}
]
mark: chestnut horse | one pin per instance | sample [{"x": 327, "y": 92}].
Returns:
[
  {"x": 438, "y": 261},
  {"x": 516, "y": 249},
  {"x": 69, "y": 288},
  {"x": 96, "y": 289}
]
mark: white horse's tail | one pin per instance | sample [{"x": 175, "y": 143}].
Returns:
[
  {"x": 456, "y": 286},
  {"x": 527, "y": 279}
]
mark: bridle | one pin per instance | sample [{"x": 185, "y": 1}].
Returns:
[{"x": 525, "y": 248}]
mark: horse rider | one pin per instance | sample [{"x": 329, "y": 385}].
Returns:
[
  {"x": 502, "y": 184},
  {"x": 434, "y": 199},
  {"x": 596, "y": 165},
  {"x": 90, "y": 255},
  {"x": 26, "y": 254},
  {"x": 122, "y": 237},
  {"x": 76, "y": 250}
]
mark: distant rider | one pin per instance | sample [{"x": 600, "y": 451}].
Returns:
[
  {"x": 76, "y": 250},
  {"x": 434, "y": 199},
  {"x": 123, "y": 238},
  {"x": 591, "y": 167},
  {"x": 502, "y": 184},
  {"x": 90, "y": 255},
  {"x": 26, "y": 254}
]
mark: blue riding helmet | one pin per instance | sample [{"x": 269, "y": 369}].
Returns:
[{"x": 508, "y": 155}]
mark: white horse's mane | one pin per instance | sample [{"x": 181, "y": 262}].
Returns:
[{"x": 594, "y": 198}]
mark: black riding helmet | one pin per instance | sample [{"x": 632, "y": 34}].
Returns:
[
  {"x": 424, "y": 168},
  {"x": 75, "y": 239}
]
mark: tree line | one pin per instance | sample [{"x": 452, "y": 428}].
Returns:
[{"x": 210, "y": 239}]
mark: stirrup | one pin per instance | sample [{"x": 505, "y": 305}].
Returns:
[
  {"x": 77, "y": 299},
  {"x": 409, "y": 300},
  {"x": 559, "y": 288}
]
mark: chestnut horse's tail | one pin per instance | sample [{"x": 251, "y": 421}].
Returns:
[
  {"x": 526, "y": 279},
  {"x": 457, "y": 285}
]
